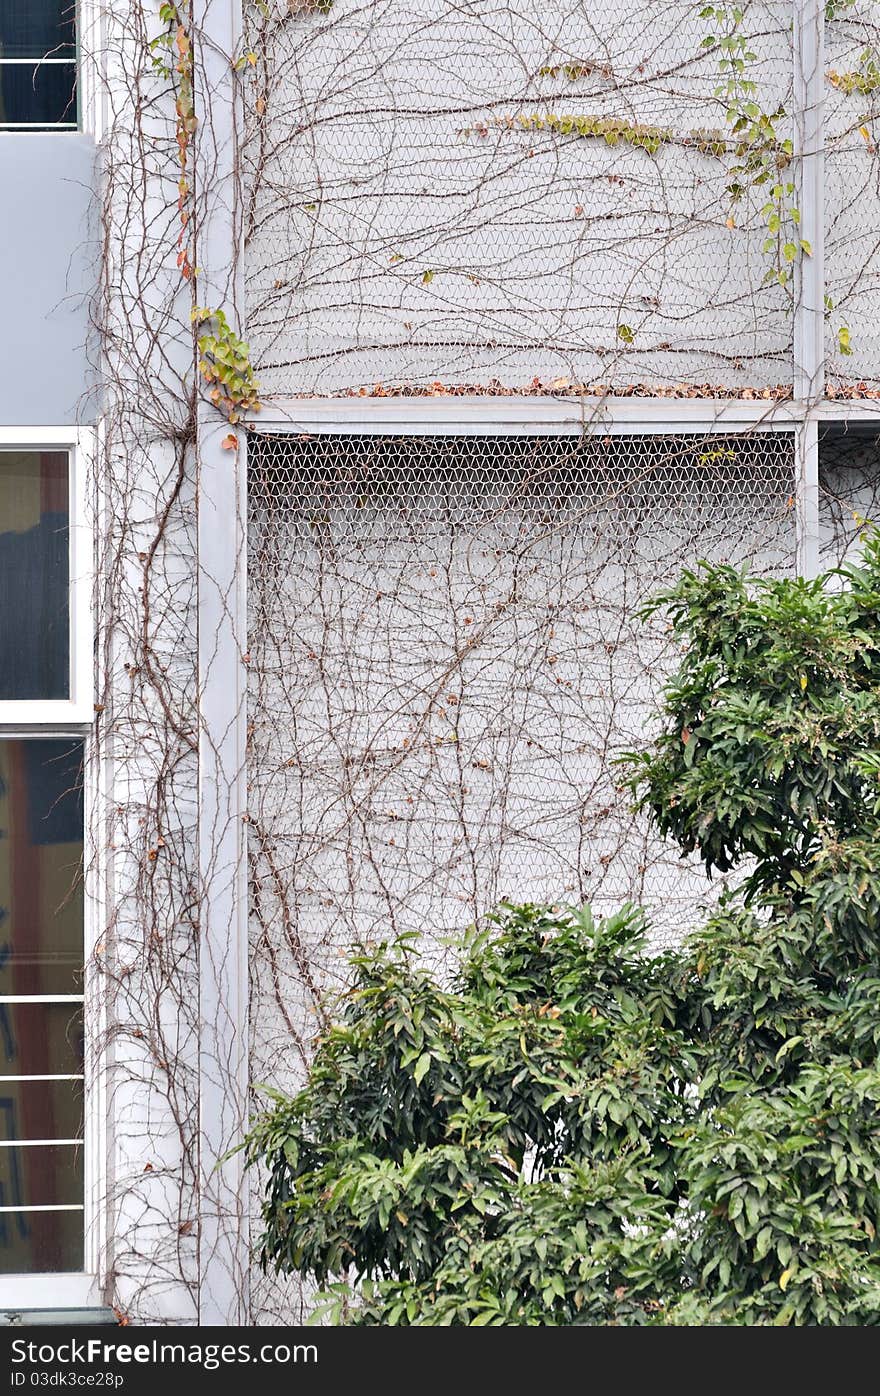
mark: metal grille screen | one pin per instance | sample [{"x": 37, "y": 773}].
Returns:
[
  {"x": 446, "y": 656},
  {"x": 852, "y": 197},
  {"x": 424, "y": 200},
  {"x": 849, "y": 484}
]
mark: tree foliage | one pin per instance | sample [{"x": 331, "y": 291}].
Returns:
[{"x": 572, "y": 1130}]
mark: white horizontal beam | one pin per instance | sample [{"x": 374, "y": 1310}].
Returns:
[
  {"x": 511, "y": 415},
  {"x": 59, "y": 1076},
  {"x": 72, "y": 718},
  {"x": 502, "y": 415},
  {"x": 41, "y": 998},
  {"x": 847, "y": 410},
  {"x": 35, "y": 1143},
  {"x": 37, "y": 436},
  {"x": 64, "y": 731},
  {"x": 49, "y": 1207}
]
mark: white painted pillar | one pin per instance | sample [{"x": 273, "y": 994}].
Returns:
[
  {"x": 222, "y": 500},
  {"x": 806, "y": 445},
  {"x": 809, "y": 310}
]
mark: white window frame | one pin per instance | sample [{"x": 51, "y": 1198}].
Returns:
[
  {"x": 11, "y": 127},
  {"x": 95, "y": 68},
  {"x": 92, "y": 63},
  {"x": 78, "y": 710},
  {"x": 69, "y": 718}
]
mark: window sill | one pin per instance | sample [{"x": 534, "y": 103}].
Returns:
[
  {"x": 22, "y": 1294},
  {"x": 62, "y": 1318}
]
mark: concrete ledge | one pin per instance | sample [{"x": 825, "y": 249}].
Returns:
[{"x": 49, "y": 1318}]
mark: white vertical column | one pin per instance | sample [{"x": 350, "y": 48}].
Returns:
[
  {"x": 807, "y": 496},
  {"x": 809, "y": 311},
  {"x": 222, "y": 499}
]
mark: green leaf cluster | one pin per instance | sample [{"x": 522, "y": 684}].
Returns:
[
  {"x": 225, "y": 365},
  {"x": 571, "y": 1130},
  {"x": 864, "y": 80},
  {"x": 762, "y": 154}
]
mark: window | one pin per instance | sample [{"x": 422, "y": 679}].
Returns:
[
  {"x": 45, "y": 673},
  {"x": 41, "y": 996},
  {"x": 37, "y": 64},
  {"x": 44, "y": 710}
]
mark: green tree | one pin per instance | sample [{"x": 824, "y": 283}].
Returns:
[{"x": 572, "y": 1130}]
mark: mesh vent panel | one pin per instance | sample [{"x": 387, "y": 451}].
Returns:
[
  {"x": 421, "y": 204},
  {"x": 446, "y": 657},
  {"x": 849, "y": 484},
  {"x": 852, "y": 197}
]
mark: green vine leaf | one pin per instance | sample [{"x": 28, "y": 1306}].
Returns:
[{"x": 225, "y": 365}]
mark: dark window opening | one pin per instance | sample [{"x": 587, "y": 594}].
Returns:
[
  {"x": 34, "y": 575},
  {"x": 38, "y": 86},
  {"x": 849, "y": 489}
]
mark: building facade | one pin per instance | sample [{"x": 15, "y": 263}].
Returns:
[{"x": 367, "y": 366}]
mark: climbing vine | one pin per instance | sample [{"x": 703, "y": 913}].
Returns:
[
  {"x": 172, "y": 56},
  {"x": 225, "y": 365},
  {"x": 864, "y": 80},
  {"x": 859, "y": 78},
  {"x": 610, "y": 129},
  {"x": 224, "y": 361},
  {"x": 762, "y": 155},
  {"x": 374, "y": 234}
]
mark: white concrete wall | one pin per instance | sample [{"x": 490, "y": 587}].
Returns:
[
  {"x": 48, "y": 270},
  {"x": 365, "y": 814},
  {"x": 143, "y": 820}
]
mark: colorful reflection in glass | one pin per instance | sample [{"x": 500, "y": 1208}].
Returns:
[
  {"x": 34, "y": 575},
  {"x": 41, "y": 1043}
]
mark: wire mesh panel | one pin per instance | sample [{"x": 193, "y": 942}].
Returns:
[
  {"x": 491, "y": 193},
  {"x": 446, "y": 657},
  {"x": 849, "y": 492},
  {"x": 852, "y": 192}
]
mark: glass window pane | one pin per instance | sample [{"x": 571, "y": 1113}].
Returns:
[
  {"x": 35, "y": 1241},
  {"x": 41, "y": 850},
  {"x": 45, "y": 95},
  {"x": 40, "y": 1039},
  {"x": 41, "y": 1175},
  {"x": 41, "y": 1110},
  {"x": 34, "y": 574},
  {"x": 41, "y": 951},
  {"x": 37, "y": 28}
]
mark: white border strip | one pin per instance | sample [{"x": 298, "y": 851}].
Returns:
[
  {"x": 42, "y": 998},
  {"x": 61, "y": 1291},
  {"x": 47, "y": 1207},
  {"x": 60, "y": 1076},
  {"x": 36, "y": 1144},
  {"x": 224, "y": 1255},
  {"x": 501, "y": 415}
]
